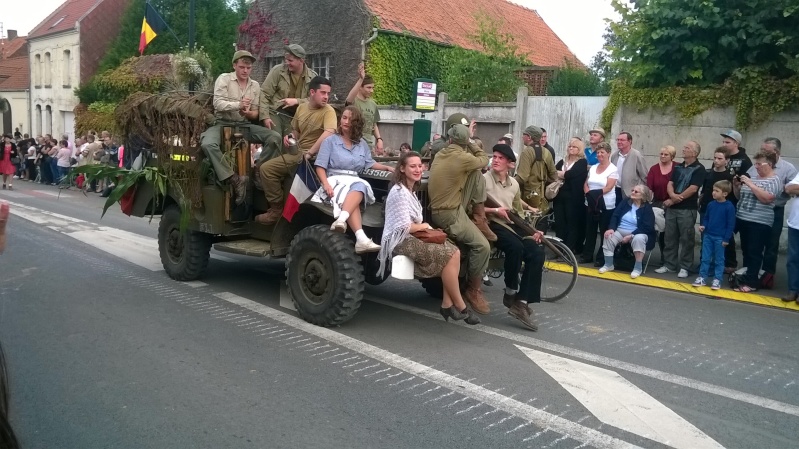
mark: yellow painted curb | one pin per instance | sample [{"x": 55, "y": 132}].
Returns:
[{"x": 752, "y": 298}]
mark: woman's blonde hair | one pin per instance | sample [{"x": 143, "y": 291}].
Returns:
[
  {"x": 672, "y": 151},
  {"x": 580, "y": 154}
]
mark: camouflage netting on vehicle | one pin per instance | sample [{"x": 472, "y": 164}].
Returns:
[{"x": 171, "y": 123}]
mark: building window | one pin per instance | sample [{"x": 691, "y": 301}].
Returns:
[
  {"x": 48, "y": 120},
  {"x": 38, "y": 119},
  {"x": 272, "y": 62},
  {"x": 65, "y": 70},
  {"x": 37, "y": 71},
  {"x": 320, "y": 63},
  {"x": 47, "y": 71}
]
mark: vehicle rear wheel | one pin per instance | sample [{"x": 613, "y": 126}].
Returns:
[
  {"x": 184, "y": 254},
  {"x": 560, "y": 270},
  {"x": 324, "y": 276}
]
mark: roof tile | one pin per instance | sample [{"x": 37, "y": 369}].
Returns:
[
  {"x": 452, "y": 21},
  {"x": 13, "y": 47},
  {"x": 14, "y": 74},
  {"x": 63, "y": 18}
]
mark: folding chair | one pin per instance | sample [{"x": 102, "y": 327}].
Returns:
[{"x": 660, "y": 227}]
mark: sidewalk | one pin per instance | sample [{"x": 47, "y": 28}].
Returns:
[{"x": 670, "y": 281}]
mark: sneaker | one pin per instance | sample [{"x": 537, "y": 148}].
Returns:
[
  {"x": 683, "y": 273},
  {"x": 606, "y": 268},
  {"x": 366, "y": 247},
  {"x": 635, "y": 274},
  {"x": 339, "y": 226},
  {"x": 699, "y": 282},
  {"x": 663, "y": 269},
  {"x": 716, "y": 284}
]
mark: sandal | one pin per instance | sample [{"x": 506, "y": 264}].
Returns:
[{"x": 744, "y": 289}]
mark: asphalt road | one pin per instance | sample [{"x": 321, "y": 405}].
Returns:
[{"x": 105, "y": 351}]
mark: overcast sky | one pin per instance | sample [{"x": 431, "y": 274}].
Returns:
[{"x": 579, "y": 23}]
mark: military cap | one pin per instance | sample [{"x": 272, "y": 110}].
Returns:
[
  {"x": 295, "y": 50},
  {"x": 459, "y": 134},
  {"x": 534, "y": 132},
  {"x": 243, "y": 54},
  {"x": 457, "y": 118}
]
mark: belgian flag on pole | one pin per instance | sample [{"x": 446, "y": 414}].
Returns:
[{"x": 151, "y": 26}]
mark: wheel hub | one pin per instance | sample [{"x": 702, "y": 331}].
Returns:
[
  {"x": 315, "y": 278},
  {"x": 175, "y": 244}
]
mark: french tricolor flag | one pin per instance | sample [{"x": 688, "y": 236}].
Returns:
[{"x": 304, "y": 185}]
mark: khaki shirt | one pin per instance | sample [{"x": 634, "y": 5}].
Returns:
[
  {"x": 228, "y": 95},
  {"x": 507, "y": 194},
  {"x": 371, "y": 115},
  {"x": 535, "y": 175},
  {"x": 311, "y": 123},
  {"x": 448, "y": 174},
  {"x": 277, "y": 86}
]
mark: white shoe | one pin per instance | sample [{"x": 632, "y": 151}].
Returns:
[
  {"x": 662, "y": 270},
  {"x": 339, "y": 226},
  {"x": 683, "y": 273},
  {"x": 366, "y": 247},
  {"x": 606, "y": 268},
  {"x": 635, "y": 274}
]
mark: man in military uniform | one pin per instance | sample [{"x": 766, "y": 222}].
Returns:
[
  {"x": 285, "y": 87},
  {"x": 236, "y": 100},
  {"x": 450, "y": 193},
  {"x": 474, "y": 190},
  {"x": 314, "y": 122},
  {"x": 535, "y": 169}
]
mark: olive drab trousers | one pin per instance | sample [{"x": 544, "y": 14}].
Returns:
[
  {"x": 211, "y": 139},
  {"x": 460, "y": 228},
  {"x": 274, "y": 172}
]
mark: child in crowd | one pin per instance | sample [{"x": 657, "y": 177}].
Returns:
[{"x": 716, "y": 226}]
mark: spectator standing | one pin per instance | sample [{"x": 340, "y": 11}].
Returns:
[
  {"x": 595, "y": 137},
  {"x": 569, "y": 204},
  {"x": 361, "y": 97},
  {"x": 62, "y": 161},
  {"x": 630, "y": 163},
  {"x": 600, "y": 193},
  {"x": 756, "y": 216},
  {"x": 535, "y": 169},
  {"x": 53, "y": 152},
  {"x": 545, "y": 143},
  {"x": 793, "y": 242},
  {"x": 30, "y": 161},
  {"x": 786, "y": 172},
  {"x": 7, "y": 168},
  {"x": 719, "y": 172},
  {"x": 739, "y": 163},
  {"x": 717, "y": 224},
  {"x": 681, "y": 211},
  {"x": 658, "y": 181}
]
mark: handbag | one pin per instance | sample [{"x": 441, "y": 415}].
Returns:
[
  {"x": 430, "y": 235},
  {"x": 552, "y": 190},
  {"x": 15, "y": 160}
]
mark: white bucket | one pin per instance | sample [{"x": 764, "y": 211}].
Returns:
[{"x": 402, "y": 267}]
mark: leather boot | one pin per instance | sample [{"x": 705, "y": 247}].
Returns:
[
  {"x": 239, "y": 184},
  {"x": 523, "y": 313},
  {"x": 480, "y": 220},
  {"x": 271, "y": 216},
  {"x": 474, "y": 296}
]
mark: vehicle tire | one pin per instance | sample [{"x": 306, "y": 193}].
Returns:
[
  {"x": 185, "y": 254},
  {"x": 560, "y": 270},
  {"x": 324, "y": 276}
]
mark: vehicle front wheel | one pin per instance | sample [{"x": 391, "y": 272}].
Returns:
[
  {"x": 184, "y": 254},
  {"x": 324, "y": 276}
]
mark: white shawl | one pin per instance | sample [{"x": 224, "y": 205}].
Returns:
[
  {"x": 341, "y": 187},
  {"x": 402, "y": 209}
]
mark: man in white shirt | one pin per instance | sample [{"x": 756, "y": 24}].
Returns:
[{"x": 792, "y": 189}]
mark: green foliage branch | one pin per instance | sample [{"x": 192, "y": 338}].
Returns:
[{"x": 570, "y": 80}]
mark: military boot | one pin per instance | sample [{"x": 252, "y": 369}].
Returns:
[
  {"x": 271, "y": 216},
  {"x": 521, "y": 312},
  {"x": 474, "y": 296},
  {"x": 480, "y": 220},
  {"x": 239, "y": 184}
]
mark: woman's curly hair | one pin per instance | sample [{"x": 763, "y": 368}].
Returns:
[{"x": 356, "y": 123}]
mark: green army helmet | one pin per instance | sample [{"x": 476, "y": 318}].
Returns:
[{"x": 457, "y": 118}]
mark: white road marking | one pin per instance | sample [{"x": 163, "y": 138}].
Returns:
[
  {"x": 538, "y": 417},
  {"x": 675, "y": 379},
  {"x": 616, "y": 401},
  {"x": 195, "y": 284}
]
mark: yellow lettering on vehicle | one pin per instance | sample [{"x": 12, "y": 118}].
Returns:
[{"x": 181, "y": 157}]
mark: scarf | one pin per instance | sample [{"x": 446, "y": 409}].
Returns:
[{"x": 402, "y": 209}]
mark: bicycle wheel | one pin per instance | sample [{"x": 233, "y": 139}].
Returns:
[{"x": 560, "y": 270}]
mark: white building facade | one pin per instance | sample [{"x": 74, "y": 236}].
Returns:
[{"x": 55, "y": 73}]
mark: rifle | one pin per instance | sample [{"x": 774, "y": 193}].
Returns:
[{"x": 526, "y": 227}]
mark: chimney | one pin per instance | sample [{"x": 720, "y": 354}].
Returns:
[{"x": 12, "y": 34}]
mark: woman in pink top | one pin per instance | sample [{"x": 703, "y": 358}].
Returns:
[{"x": 62, "y": 160}]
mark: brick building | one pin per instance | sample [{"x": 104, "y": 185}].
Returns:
[
  {"x": 65, "y": 50},
  {"x": 332, "y": 31},
  {"x": 14, "y": 84}
]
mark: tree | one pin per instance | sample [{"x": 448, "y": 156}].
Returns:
[
  {"x": 487, "y": 75},
  {"x": 601, "y": 64},
  {"x": 571, "y": 80},
  {"x": 215, "y": 24},
  {"x": 662, "y": 43}
]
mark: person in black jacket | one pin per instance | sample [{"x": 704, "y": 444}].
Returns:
[
  {"x": 633, "y": 222},
  {"x": 569, "y": 204}
]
